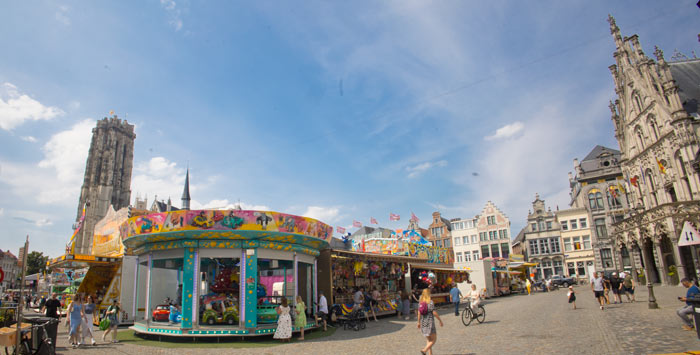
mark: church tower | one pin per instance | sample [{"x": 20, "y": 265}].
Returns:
[
  {"x": 107, "y": 176},
  {"x": 186, "y": 192}
]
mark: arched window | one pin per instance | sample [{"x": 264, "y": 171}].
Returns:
[
  {"x": 653, "y": 128},
  {"x": 640, "y": 138},
  {"x": 652, "y": 187},
  {"x": 637, "y": 101},
  {"x": 595, "y": 199},
  {"x": 687, "y": 191}
]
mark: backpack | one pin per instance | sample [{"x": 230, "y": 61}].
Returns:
[{"x": 423, "y": 309}]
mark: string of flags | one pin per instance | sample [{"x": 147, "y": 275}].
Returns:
[{"x": 372, "y": 220}]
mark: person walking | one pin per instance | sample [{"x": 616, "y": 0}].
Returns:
[
  {"x": 628, "y": 286},
  {"x": 323, "y": 309},
  {"x": 405, "y": 304},
  {"x": 75, "y": 317},
  {"x": 113, "y": 316},
  {"x": 687, "y": 310},
  {"x": 606, "y": 285},
  {"x": 300, "y": 320},
  {"x": 598, "y": 288},
  {"x": 52, "y": 307},
  {"x": 89, "y": 320},
  {"x": 370, "y": 302},
  {"x": 615, "y": 285},
  {"x": 572, "y": 296},
  {"x": 528, "y": 285},
  {"x": 284, "y": 322},
  {"x": 455, "y": 296},
  {"x": 426, "y": 321}
]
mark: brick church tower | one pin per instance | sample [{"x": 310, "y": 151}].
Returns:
[{"x": 107, "y": 176}]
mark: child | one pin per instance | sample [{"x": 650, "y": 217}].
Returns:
[{"x": 572, "y": 296}]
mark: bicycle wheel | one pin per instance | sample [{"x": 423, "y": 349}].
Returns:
[
  {"x": 481, "y": 317},
  {"x": 467, "y": 316}
]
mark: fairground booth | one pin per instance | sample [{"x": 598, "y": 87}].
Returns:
[{"x": 221, "y": 272}]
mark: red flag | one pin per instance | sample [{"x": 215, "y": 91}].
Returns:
[
  {"x": 662, "y": 168},
  {"x": 634, "y": 182},
  {"x": 372, "y": 220},
  {"x": 413, "y": 217},
  {"x": 340, "y": 229},
  {"x": 356, "y": 224},
  {"x": 394, "y": 217},
  {"x": 612, "y": 191}
]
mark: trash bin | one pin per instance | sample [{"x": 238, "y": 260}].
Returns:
[
  {"x": 695, "y": 302},
  {"x": 51, "y": 326}
]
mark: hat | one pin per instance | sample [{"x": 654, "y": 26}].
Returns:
[{"x": 614, "y": 273}]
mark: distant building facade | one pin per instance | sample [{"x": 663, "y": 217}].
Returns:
[
  {"x": 493, "y": 227},
  {"x": 465, "y": 240},
  {"x": 440, "y": 231},
  {"x": 655, "y": 116},
  {"x": 10, "y": 267},
  {"x": 107, "y": 178},
  {"x": 577, "y": 241},
  {"x": 542, "y": 241}
]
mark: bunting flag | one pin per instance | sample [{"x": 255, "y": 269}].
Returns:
[
  {"x": 372, "y": 220},
  {"x": 414, "y": 218},
  {"x": 662, "y": 168},
  {"x": 634, "y": 181},
  {"x": 612, "y": 191},
  {"x": 621, "y": 188},
  {"x": 77, "y": 229},
  {"x": 394, "y": 217},
  {"x": 340, "y": 229},
  {"x": 356, "y": 224}
]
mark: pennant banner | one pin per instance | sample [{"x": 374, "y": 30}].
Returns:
[
  {"x": 372, "y": 220},
  {"x": 340, "y": 229},
  {"x": 662, "y": 168},
  {"x": 394, "y": 217},
  {"x": 356, "y": 224},
  {"x": 413, "y": 217}
]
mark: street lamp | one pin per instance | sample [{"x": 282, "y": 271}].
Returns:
[{"x": 652, "y": 300}]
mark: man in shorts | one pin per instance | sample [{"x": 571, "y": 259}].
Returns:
[
  {"x": 598, "y": 288},
  {"x": 628, "y": 287},
  {"x": 52, "y": 307},
  {"x": 615, "y": 286}
]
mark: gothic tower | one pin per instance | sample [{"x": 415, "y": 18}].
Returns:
[
  {"x": 186, "y": 192},
  {"x": 107, "y": 176}
]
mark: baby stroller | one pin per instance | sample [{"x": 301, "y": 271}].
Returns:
[{"x": 355, "y": 320}]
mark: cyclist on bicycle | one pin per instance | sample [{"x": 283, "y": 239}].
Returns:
[{"x": 474, "y": 296}]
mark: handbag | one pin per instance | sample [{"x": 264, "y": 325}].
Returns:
[{"x": 104, "y": 323}]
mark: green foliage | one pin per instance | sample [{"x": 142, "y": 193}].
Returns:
[{"x": 36, "y": 262}]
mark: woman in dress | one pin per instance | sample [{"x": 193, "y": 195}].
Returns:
[
  {"x": 75, "y": 316},
  {"x": 284, "y": 322},
  {"x": 300, "y": 320},
  {"x": 426, "y": 321},
  {"x": 89, "y": 319}
]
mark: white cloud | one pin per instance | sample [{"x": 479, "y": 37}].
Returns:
[
  {"x": 174, "y": 13},
  {"x": 507, "y": 131},
  {"x": 227, "y": 205},
  {"x": 31, "y": 217},
  {"x": 29, "y": 139},
  {"x": 62, "y": 15},
  {"x": 58, "y": 177},
  {"x": 414, "y": 171},
  {"x": 159, "y": 177},
  {"x": 323, "y": 214},
  {"x": 16, "y": 108}
]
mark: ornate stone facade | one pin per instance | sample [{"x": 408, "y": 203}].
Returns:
[
  {"x": 107, "y": 176},
  {"x": 655, "y": 116}
]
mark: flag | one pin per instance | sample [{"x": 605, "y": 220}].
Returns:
[
  {"x": 662, "y": 168},
  {"x": 612, "y": 191},
  {"x": 372, "y": 220},
  {"x": 414, "y": 218},
  {"x": 634, "y": 181},
  {"x": 340, "y": 229},
  {"x": 356, "y": 224},
  {"x": 394, "y": 217},
  {"x": 621, "y": 188}
]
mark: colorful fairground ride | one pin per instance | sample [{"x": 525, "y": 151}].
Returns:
[{"x": 225, "y": 271}]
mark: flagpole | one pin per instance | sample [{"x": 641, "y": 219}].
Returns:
[{"x": 21, "y": 296}]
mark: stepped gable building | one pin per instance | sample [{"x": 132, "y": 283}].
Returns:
[
  {"x": 600, "y": 189},
  {"x": 655, "y": 115},
  {"x": 542, "y": 241},
  {"x": 107, "y": 176},
  {"x": 493, "y": 227},
  {"x": 440, "y": 231}
]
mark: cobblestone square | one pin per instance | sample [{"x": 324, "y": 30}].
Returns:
[{"x": 542, "y": 323}]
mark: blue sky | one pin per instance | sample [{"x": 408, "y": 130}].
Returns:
[{"x": 335, "y": 110}]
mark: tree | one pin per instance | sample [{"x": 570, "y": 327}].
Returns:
[{"x": 36, "y": 262}]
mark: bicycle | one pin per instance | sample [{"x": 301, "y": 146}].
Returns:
[
  {"x": 44, "y": 346},
  {"x": 468, "y": 314}
]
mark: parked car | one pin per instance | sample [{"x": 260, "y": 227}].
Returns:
[
  {"x": 563, "y": 281},
  {"x": 161, "y": 313}
]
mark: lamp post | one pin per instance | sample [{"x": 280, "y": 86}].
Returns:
[{"x": 652, "y": 300}]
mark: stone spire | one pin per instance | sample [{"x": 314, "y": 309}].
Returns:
[{"x": 186, "y": 192}]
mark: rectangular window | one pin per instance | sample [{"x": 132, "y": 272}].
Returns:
[
  {"x": 491, "y": 235},
  {"x": 485, "y": 251},
  {"x": 581, "y": 269},
  {"x": 533, "y": 247},
  {"x": 533, "y": 227},
  {"x": 483, "y": 237},
  {"x": 544, "y": 246},
  {"x": 606, "y": 257},
  {"x": 583, "y": 222},
  {"x": 467, "y": 256},
  {"x": 505, "y": 251},
  {"x": 564, "y": 225},
  {"x": 567, "y": 244},
  {"x": 577, "y": 243},
  {"x": 600, "y": 229},
  {"x": 438, "y": 243},
  {"x": 459, "y": 257},
  {"x": 494, "y": 251},
  {"x": 573, "y": 223},
  {"x": 555, "y": 245},
  {"x": 586, "y": 242},
  {"x": 465, "y": 240},
  {"x": 542, "y": 225},
  {"x": 572, "y": 269},
  {"x": 491, "y": 220},
  {"x": 457, "y": 241},
  {"x": 549, "y": 225},
  {"x": 474, "y": 239},
  {"x": 447, "y": 243},
  {"x": 505, "y": 234},
  {"x": 476, "y": 255}
]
